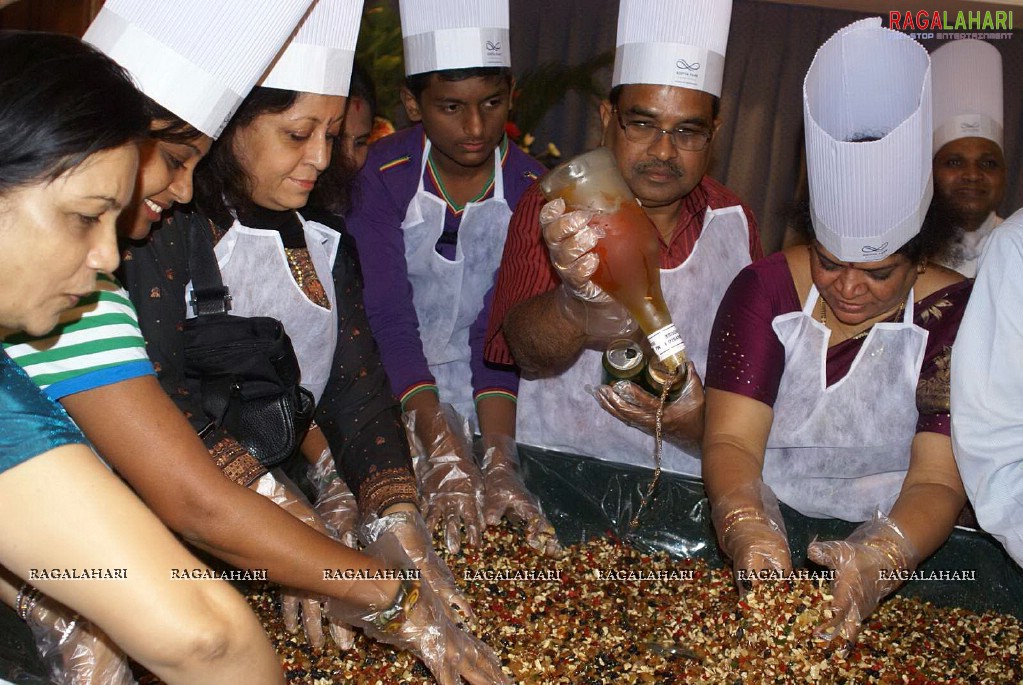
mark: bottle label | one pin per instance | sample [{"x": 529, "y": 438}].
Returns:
[{"x": 666, "y": 342}]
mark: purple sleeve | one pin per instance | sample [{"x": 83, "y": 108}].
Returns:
[
  {"x": 745, "y": 355},
  {"x": 375, "y": 223}
]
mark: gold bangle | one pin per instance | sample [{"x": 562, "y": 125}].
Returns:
[
  {"x": 389, "y": 620},
  {"x": 891, "y": 550},
  {"x": 737, "y": 516}
]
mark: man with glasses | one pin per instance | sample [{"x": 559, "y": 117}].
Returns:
[{"x": 548, "y": 317}]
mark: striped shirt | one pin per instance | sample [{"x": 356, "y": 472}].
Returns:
[{"x": 95, "y": 344}]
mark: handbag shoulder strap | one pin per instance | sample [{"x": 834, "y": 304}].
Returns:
[{"x": 209, "y": 294}]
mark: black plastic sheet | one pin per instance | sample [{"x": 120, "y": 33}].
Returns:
[{"x": 585, "y": 498}]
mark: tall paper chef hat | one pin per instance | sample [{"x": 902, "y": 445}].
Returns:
[
  {"x": 319, "y": 58},
  {"x": 967, "y": 92},
  {"x": 672, "y": 43},
  {"x": 454, "y": 34},
  {"x": 867, "y": 199},
  {"x": 196, "y": 58}
]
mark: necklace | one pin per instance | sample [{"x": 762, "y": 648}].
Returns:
[{"x": 862, "y": 334}]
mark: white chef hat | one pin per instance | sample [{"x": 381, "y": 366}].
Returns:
[
  {"x": 867, "y": 199},
  {"x": 672, "y": 43},
  {"x": 320, "y": 56},
  {"x": 454, "y": 34},
  {"x": 196, "y": 58},
  {"x": 967, "y": 92}
]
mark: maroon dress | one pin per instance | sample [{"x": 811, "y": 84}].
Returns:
[{"x": 747, "y": 358}]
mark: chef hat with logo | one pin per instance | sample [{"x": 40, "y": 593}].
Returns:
[
  {"x": 320, "y": 56},
  {"x": 196, "y": 58},
  {"x": 454, "y": 34},
  {"x": 869, "y": 84},
  {"x": 967, "y": 92},
  {"x": 672, "y": 43}
]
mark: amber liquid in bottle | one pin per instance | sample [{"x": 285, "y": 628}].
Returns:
[{"x": 629, "y": 271}]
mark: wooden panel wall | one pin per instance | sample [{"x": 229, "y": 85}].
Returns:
[{"x": 61, "y": 16}]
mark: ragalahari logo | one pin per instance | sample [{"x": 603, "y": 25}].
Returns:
[{"x": 963, "y": 20}]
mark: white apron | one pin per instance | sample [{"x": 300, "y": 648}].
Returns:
[
  {"x": 448, "y": 294},
  {"x": 255, "y": 269},
  {"x": 842, "y": 451},
  {"x": 558, "y": 413}
]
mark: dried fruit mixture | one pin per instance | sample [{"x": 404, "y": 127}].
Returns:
[{"x": 661, "y": 627}]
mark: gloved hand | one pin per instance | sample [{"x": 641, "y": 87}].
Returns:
[
  {"x": 417, "y": 620},
  {"x": 335, "y": 503},
  {"x": 682, "y": 419},
  {"x": 336, "y": 506},
  {"x": 285, "y": 494},
  {"x": 74, "y": 651},
  {"x": 450, "y": 483},
  {"x": 864, "y": 562},
  {"x": 570, "y": 240},
  {"x": 507, "y": 495},
  {"x": 410, "y": 530},
  {"x": 751, "y": 531}
]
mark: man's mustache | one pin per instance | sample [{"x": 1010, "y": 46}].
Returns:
[{"x": 664, "y": 167}]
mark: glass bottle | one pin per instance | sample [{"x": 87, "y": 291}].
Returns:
[{"x": 629, "y": 269}]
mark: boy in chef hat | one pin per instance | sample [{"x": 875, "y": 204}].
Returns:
[
  {"x": 659, "y": 120},
  {"x": 431, "y": 214},
  {"x": 969, "y": 165}
]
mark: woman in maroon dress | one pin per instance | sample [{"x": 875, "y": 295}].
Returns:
[{"x": 828, "y": 374}]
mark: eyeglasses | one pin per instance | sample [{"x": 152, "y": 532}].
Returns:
[{"x": 645, "y": 133}]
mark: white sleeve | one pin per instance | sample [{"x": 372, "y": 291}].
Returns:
[{"x": 987, "y": 389}]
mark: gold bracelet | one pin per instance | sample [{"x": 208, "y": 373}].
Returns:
[
  {"x": 891, "y": 550},
  {"x": 737, "y": 516},
  {"x": 389, "y": 620}
]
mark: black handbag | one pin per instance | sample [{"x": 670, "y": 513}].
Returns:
[{"x": 244, "y": 368}]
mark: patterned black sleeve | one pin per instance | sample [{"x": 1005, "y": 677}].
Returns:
[{"x": 358, "y": 413}]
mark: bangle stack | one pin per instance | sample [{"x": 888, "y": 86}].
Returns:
[
  {"x": 737, "y": 516},
  {"x": 389, "y": 620},
  {"x": 891, "y": 550},
  {"x": 25, "y": 602}
]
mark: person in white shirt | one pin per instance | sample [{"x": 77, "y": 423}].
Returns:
[{"x": 987, "y": 390}]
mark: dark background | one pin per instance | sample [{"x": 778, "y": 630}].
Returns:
[{"x": 758, "y": 152}]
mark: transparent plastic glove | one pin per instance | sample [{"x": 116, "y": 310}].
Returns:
[
  {"x": 285, "y": 494},
  {"x": 570, "y": 240},
  {"x": 337, "y": 507},
  {"x": 864, "y": 562},
  {"x": 751, "y": 531},
  {"x": 636, "y": 407},
  {"x": 597, "y": 320},
  {"x": 450, "y": 483},
  {"x": 410, "y": 530},
  {"x": 74, "y": 651},
  {"x": 507, "y": 495},
  {"x": 335, "y": 503},
  {"x": 424, "y": 628}
]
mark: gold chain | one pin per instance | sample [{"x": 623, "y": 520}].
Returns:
[{"x": 862, "y": 334}]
